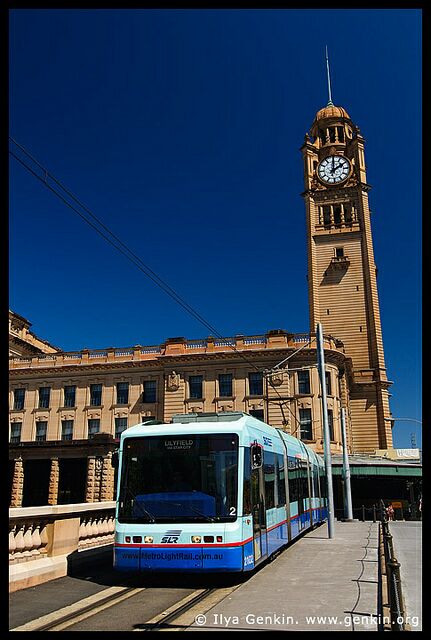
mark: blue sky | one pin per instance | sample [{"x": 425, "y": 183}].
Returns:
[{"x": 181, "y": 130}]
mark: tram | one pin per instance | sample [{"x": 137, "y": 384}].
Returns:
[{"x": 212, "y": 493}]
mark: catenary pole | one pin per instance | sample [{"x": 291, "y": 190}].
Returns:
[
  {"x": 348, "y": 511},
  {"x": 326, "y": 438}
]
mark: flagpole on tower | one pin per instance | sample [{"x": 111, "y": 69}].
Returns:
[{"x": 330, "y": 103}]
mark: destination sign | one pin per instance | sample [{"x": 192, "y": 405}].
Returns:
[{"x": 178, "y": 444}]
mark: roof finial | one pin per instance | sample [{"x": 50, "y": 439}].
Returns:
[{"x": 330, "y": 103}]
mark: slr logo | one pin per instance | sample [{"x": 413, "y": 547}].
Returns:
[{"x": 171, "y": 536}]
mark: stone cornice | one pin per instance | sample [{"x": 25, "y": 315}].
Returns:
[
  {"x": 62, "y": 448},
  {"x": 246, "y": 357},
  {"x": 84, "y": 368}
]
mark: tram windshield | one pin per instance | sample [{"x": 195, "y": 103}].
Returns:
[{"x": 185, "y": 478}]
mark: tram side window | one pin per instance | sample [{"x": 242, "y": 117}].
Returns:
[
  {"x": 303, "y": 481},
  {"x": 246, "y": 495},
  {"x": 281, "y": 486},
  {"x": 293, "y": 479},
  {"x": 315, "y": 471},
  {"x": 270, "y": 478}
]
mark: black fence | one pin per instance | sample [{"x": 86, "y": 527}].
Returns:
[
  {"x": 360, "y": 513},
  {"x": 372, "y": 513},
  {"x": 392, "y": 570}
]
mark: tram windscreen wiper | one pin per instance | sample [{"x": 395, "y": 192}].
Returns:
[
  {"x": 201, "y": 513},
  {"x": 192, "y": 508},
  {"x": 145, "y": 511},
  {"x": 137, "y": 505}
]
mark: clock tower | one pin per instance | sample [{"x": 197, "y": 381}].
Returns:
[{"x": 342, "y": 275}]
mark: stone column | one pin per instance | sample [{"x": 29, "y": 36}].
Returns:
[
  {"x": 53, "y": 481},
  {"x": 107, "y": 480},
  {"x": 17, "y": 483},
  {"x": 91, "y": 478},
  {"x": 98, "y": 478}
]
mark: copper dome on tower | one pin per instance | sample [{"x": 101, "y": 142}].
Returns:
[{"x": 331, "y": 111}]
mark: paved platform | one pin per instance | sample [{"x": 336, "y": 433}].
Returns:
[
  {"x": 316, "y": 584},
  {"x": 407, "y": 541}
]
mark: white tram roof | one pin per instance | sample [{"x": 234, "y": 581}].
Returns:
[{"x": 248, "y": 428}]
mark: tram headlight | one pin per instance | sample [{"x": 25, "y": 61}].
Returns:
[
  {"x": 148, "y": 539},
  {"x": 197, "y": 539}
]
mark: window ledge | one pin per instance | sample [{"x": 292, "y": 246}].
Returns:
[{"x": 340, "y": 262}]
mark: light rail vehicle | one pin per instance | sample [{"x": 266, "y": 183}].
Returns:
[{"x": 212, "y": 493}]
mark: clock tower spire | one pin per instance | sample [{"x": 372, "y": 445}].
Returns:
[
  {"x": 330, "y": 103},
  {"x": 342, "y": 275}
]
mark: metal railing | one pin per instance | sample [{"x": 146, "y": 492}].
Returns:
[
  {"x": 361, "y": 513},
  {"x": 372, "y": 512},
  {"x": 391, "y": 569}
]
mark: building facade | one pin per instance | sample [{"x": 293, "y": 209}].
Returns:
[{"x": 61, "y": 401}]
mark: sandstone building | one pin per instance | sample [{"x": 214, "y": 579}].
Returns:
[
  {"x": 22, "y": 341},
  {"x": 63, "y": 405}
]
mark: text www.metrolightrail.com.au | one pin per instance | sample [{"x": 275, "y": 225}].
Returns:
[
  {"x": 179, "y": 555},
  {"x": 283, "y": 620}
]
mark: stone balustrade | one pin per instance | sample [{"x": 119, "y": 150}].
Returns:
[
  {"x": 28, "y": 540},
  {"x": 173, "y": 346},
  {"x": 96, "y": 529},
  {"x": 41, "y": 538}
]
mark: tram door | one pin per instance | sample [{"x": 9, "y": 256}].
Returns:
[
  {"x": 303, "y": 492},
  {"x": 258, "y": 503}
]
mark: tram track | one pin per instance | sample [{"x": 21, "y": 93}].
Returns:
[
  {"x": 179, "y": 615},
  {"x": 71, "y": 614},
  {"x": 166, "y": 618},
  {"x": 184, "y": 613}
]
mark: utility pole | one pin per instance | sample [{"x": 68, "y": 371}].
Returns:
[
  {"x": 326, "y": 438},
  {"x": 348, "y": 511}
]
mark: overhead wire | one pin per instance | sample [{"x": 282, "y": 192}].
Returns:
[
  {"x": 120, "y": 246},
  {"x": 147, "y": 270}
]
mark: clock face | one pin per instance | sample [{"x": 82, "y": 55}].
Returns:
[{"x": 333, "y": 169}]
